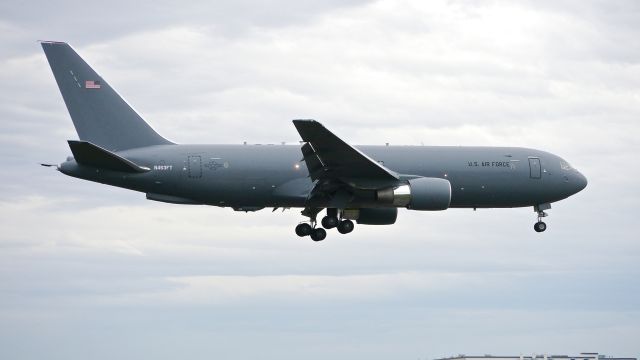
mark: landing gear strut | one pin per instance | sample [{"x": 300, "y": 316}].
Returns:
[{"x": 541, "y": 226}]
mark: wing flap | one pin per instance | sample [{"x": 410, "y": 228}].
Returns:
[{"x": 314, "y": 165}]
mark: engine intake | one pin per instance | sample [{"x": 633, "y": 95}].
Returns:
[{"x": 419, "y": 194}]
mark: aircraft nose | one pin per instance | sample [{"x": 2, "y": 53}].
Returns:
[{"x": 581, "y": 181}]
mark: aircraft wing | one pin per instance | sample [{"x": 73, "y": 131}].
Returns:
[{"x": 330, "y": 158}]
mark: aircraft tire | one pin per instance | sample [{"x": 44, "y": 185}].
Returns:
[
  {"x": 303, "y": 229},
  {"x": 345, "y": 226},
  {"x": 329, "y": 222},
  {"x": 318, "y": 234},
  {"x": 540, "y": 226}
]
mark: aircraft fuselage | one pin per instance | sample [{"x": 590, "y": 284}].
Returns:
[{"x": 255, "y": 176}]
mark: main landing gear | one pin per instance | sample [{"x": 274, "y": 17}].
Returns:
[
  {"x": 330, "y": 221},
  {"x": 316, "y": 234},
  {"x": 541, "y": 226}
]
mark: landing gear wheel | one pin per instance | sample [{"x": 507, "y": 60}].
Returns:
[
  {"x": 329, "y": 222},
  {"x": 318, "y": 234},
  {"x": 540, "y": 226},
  {"x": 303, "y": 229},
  {"x": 345, "y": 226}
]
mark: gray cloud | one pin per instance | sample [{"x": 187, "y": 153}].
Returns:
[{"x": 95, "y": 22}]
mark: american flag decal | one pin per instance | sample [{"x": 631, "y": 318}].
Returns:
[{"x": 92, "y": 84}]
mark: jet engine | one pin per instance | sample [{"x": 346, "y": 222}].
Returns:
[{"x": 419, "y": 194}]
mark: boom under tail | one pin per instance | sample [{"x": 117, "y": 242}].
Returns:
[{"x": 100, "y": 115}]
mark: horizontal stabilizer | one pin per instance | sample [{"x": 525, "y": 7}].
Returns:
[{"x": 88, "y": 154}]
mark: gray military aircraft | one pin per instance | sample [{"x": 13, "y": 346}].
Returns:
[{"x": 365, "y": 183}]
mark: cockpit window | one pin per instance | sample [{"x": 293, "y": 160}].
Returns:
[{"x": 565, "y": 165}]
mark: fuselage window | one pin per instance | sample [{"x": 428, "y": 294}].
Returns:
[{"x": 565, "y": 165}]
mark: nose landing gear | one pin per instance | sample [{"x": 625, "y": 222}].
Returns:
[{"x": 541, "y": 226}]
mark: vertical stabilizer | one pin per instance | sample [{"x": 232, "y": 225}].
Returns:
[{"x": 100, "y": 115}]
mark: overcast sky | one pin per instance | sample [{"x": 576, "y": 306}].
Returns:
[{"x": 93, "y": 272}]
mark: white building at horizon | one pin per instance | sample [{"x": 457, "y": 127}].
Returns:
[{"x": 581, "y": 356}]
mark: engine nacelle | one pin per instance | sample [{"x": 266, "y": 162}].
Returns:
[
  {"x": 420, "y": 194},
  {"x": 372, "y": 216}
]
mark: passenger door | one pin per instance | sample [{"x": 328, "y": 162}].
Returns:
[{"x": 535, "y": 169}]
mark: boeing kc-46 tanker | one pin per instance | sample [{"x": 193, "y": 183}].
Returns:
[{"x": 365, "y": 184}]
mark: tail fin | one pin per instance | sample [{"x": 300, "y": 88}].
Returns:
[{"x": 99, "y": 114}]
